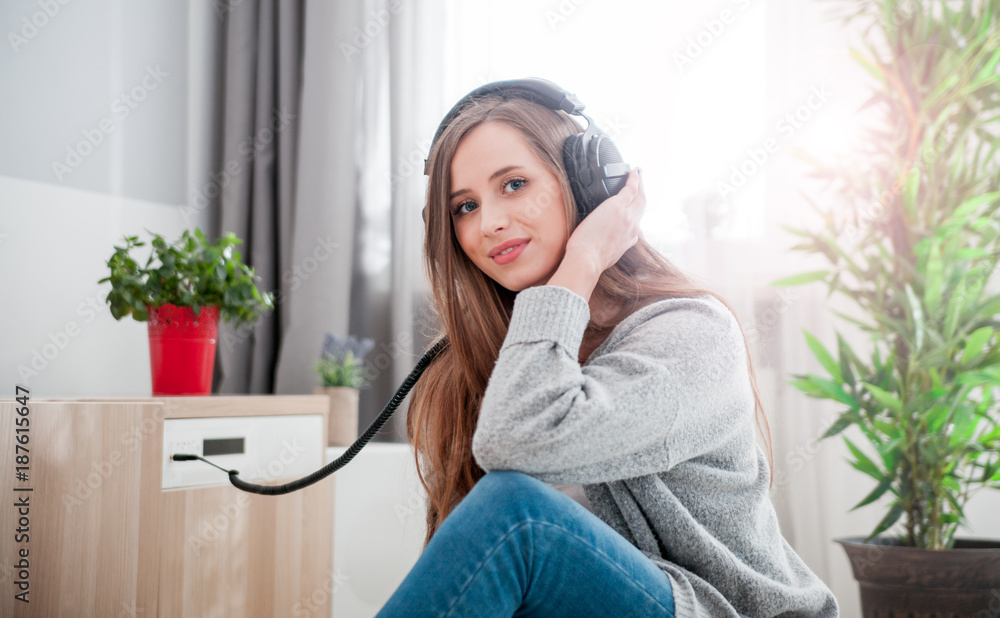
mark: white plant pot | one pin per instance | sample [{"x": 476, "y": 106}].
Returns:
[{"x": 342, "y": 429}]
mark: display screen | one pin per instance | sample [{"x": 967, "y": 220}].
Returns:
[{"x": 223, "y": 446}]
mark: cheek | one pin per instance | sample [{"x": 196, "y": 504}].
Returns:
[
  {"x": 550, "y": 201},
  {"x": 555, "y": 212},
  {"x": 466, "y": 239}
]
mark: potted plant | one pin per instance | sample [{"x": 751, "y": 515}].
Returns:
[
  {"x": 182, "y": 291},
  {"x": 913, "y": 239},
  {"x": 342, "y": 374}
]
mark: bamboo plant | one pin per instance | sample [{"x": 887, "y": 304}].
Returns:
[{"x": 913, "y": 239}]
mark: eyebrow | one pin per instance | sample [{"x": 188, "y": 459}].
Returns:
[{"x": 499, "y": 172}]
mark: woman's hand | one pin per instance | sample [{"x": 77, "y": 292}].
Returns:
[{"x": 607, "y": 232}]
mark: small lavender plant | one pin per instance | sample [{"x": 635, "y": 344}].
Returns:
[{"x": 342, "y": 361}]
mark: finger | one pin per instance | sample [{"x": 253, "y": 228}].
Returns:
[
  {"x": 631, "y": 189},
  {"x": 640, "y": 190}
]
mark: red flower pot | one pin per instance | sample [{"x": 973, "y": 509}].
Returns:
[{"x": 182, "y": 349}]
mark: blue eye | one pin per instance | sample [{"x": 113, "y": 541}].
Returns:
[
  {"x": 458, "y": 209},
  {"x": 515, "y": 184},
  {"x": 516, "y": 181}
]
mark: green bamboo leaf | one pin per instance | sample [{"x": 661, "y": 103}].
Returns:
[
  {"x": 965, "y": 424},
  {"x": 863, "y": 325},
  {"x": 846, "y": 420},
  {"x": 833, "y": 285},
  {"x": 990, "y": 67},
  {"x": 955, "y": 306},
  {"x": 935, "y": 279},
  {"x": 989, "y": 307},
  {"x": 889, "y": 429},
  {"x": 807, "y": 387},
  {"x": 981, "y": 81},
  {"x": 935, "y": 418},
  {"x": 796, "y": 232},
  {"x": 801, "y": 278},
  {"x": 824, "y": 357},
  {"x": 910, "y": 191},
  {"x": 971, "y": 253},
  {"x": 977, "y": 277},
  {"x": 826, "y": 389},
  {"x": 983, "y": 223},
  {"x": 832, "y": 244},
  {"x": 918, "y": 318},
  {"x": 935, "y": 377},
  {"x": 871, "y": 434},
  {"x": 867, "y": 64},
  {"x": 863, "y": 463},
  {"x": 890, "y": 452},
  {"x": 951, "y": 483},
  {"x": 976, "y": 341},
  {"x": 887, "y": 522},
  {"x": 991, "y": 436},
  {"x": 986, "y": 20},
  {"x": 887, "y": 399},
  {"x": 876, "y": 493},
  {"x": 844, "y": 353},
  {"x": 946, "y": 85},
  {"x": 970, "y": 205}
]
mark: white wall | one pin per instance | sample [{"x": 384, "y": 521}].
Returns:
[
  {"x": 377, "y": 535},
  {"x": 106, "y": 115}
]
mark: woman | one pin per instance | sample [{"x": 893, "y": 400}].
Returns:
[{"x": 580, "y": 357}]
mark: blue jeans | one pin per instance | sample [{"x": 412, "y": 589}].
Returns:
[{"x": 514, "y": 546}]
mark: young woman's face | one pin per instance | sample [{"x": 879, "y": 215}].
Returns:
[{"x": 503, "y": 195}]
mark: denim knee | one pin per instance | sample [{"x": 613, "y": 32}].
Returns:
[
  {"x": 512, "y": 492},
  {"x": 500, "y": 482}
]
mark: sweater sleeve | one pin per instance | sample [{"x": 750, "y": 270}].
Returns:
[{"x": 673, "y": 387}]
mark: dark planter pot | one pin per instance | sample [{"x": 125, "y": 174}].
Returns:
[
  {"x": 182, "y": 349},
  {"x": 897, "y": 581}
]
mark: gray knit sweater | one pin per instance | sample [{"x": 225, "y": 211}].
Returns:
[{"x": 657, "y": 426}]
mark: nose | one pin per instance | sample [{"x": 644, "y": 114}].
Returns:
[{"x": 493, "y": 217}]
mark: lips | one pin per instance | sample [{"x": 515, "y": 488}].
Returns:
[
  {"x": 507, "y": 245},
  {"x": 511, "y": 254}
]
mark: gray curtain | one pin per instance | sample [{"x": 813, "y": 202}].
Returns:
[
  {"x": 262, "y": 55},
  {"x": 371, "y": 97}
]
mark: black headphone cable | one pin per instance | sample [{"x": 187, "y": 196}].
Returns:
[{"x": 340, "y": 462}]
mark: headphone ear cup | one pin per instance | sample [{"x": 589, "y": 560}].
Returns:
[
  {"x": 607, "y": 153},
  {"x": 585, "y": 165},
  {"x": 574, "y": 159}
]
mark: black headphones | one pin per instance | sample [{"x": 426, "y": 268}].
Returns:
[{"x": 593, "y": 163}]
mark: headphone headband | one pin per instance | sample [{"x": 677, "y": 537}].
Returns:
[
  {"x": 594, "y": 165},
  {"x": 531, "y": 88}
]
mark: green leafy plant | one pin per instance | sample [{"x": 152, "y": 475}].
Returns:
[
  {"x": 341, "y": 362},
  {"x": 913, "y": 240},
  {"x": 191, "y": 272}
]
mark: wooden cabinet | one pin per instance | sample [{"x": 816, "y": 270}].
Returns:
[{"x": 104, "y": 539}]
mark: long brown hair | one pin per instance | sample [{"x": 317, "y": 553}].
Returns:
[{"x": 474, "y": 311}]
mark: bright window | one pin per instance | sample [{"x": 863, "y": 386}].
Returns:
[{"x": 684, "y": 99}]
